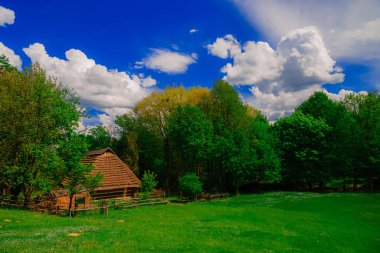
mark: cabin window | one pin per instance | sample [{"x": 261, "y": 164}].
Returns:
[{"x": 80, "y": 201}]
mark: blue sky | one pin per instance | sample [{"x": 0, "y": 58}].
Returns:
[{"x": 113, "y": 53}]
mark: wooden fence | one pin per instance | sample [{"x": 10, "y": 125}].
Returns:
[{"x": 98, "y": 203}]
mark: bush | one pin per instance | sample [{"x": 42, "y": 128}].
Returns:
[
  {"x": 148, "y": 183},
  {"x": 190, "y": 185}
]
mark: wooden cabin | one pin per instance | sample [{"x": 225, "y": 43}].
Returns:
[
  {"x": 59, "y": 200},
  {"x": 118, "y": 179}
]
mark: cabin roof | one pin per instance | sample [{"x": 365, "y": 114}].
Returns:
[
  {"x": 116, "y": 174},
  {"x": 99, "y": 151}
]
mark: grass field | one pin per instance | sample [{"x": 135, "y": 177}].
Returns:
[{"x": 271, "y": 222}]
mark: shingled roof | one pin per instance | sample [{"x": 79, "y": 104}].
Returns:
[{"x": 116, "y": 174}]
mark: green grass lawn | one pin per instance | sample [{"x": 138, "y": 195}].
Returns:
[{"x": 271, "y": 222}]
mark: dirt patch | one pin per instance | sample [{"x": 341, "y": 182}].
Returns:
[{"x": 73, "y": 234}]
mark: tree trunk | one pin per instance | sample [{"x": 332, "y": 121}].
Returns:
[
  {"x": 15, "y": 192},
  {"x": 27, "y": 195},
  {"x": 355, "y": 184},
  {"x": 71, "y": 196},
  {"x": 310, "y": 186},
  {"x": 370, "y": 183},
  {"x": 167, "y": 165}
]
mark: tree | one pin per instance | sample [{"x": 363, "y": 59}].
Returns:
[
  {"x": 77, "y": 174},
  {"x": 365, "y": 111},
  {"x": 190, "y": 185},
  {"x": 98, "y": 138},
  {"x": 266, "y": 164},
  {"x": 126, "y": 146},
  {"x": 152, "y": 113},
  {"x": 227, "y": 105},
  {"x": 190, "y": 133},
  {"x": 148, "y": 182},
  {"x": 337, "y": 157},
  {"x": 302, "y": 144},
  {"x": 5, "y": 65},
  {"x": 35, "y": 112}
]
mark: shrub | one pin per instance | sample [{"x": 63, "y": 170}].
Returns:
[
  {"x": 148, "y": 183},
  {"x": 190, "y": 185}
]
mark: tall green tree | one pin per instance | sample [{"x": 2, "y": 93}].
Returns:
[
  {"x": 365, "y": 110},
  {"x": 190, "y": 133},
  {"x": 337, "y": 157},
  {"x": 77, "y": 175},
  {"x": 266, "y": 163},
  {"x": 35, "y": 112},
  {"x": 127, "y": 145},
  {"x": 302, "y": 144}
]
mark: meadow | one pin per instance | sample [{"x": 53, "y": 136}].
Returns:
[{"x": 269, "y": 222}]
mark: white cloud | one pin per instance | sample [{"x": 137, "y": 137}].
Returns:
[
  {"x": 193, "y": 30},
  {"x": 98, "y": 87},
  {"x": 300, "y": 61},
  {"x": 255, "y": 63},
  {"x": 350, "y": 28},
  {"x": 307, "y": 61},
  {"x": 13, "y": 58},
  {"x": 7, "y": 16},
  {"x": 284, "y": 103},
  {"x": 277, "y": 105},
  {"x": 281, "y": 78},
  {"x": 350, "y": 32},
  {"x": 225, "y": 47},
  {"x": 168, "y": 61}
]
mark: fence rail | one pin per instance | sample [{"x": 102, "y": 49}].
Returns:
[{"x": 97, "y": 203}]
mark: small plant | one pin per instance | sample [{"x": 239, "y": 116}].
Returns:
[
  {"x": 190, "y": 185},
  {"x": 148, "y": 183}
]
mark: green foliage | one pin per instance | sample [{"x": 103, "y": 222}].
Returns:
[
  {"x": 302, "y": 143},
  {"x": 190, "y": 131},
  {"x": 365, "y": 133},
  {"x": 189, "y": 185},
  {"x": 227, "y": 104},
  {"x": 176, "y": 131},
  {"x": 148, "y": 182},
  {"x": 98, "y": 138},
  {"x": 77, "y": 175},
  {"x": 5, "y": 65},
  {"x": 190, "y": 134},
  {"x": 36, "y": 113},
  {"x": 337, "y": 156},
  {"x": 126, "y": 146}
]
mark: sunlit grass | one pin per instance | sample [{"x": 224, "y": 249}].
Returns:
[{"x": 271, "y": 222}]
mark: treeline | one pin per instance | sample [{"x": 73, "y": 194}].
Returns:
[
  {"x": 210, "y": 132},
  {"x": 229, "y": 144}
]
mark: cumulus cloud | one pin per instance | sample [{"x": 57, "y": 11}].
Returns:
[
  {"x": 225, "y": 47},
  {"x": 193, "y": 30},
  {"x": 300, "y": 61},
  {"x": 283, "y": 103},
  {"x": 256, "y": 62},
  {"x": 13, "y": 58},
  {"x": 168, "y": 61},
  {"x": 7, "y": 16},
  {"x": 349, "y": 27},
  {"x": 107, "y": 90},
  {"x": 280, "y": 78},
  {"x": 280, "y": 104}
]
